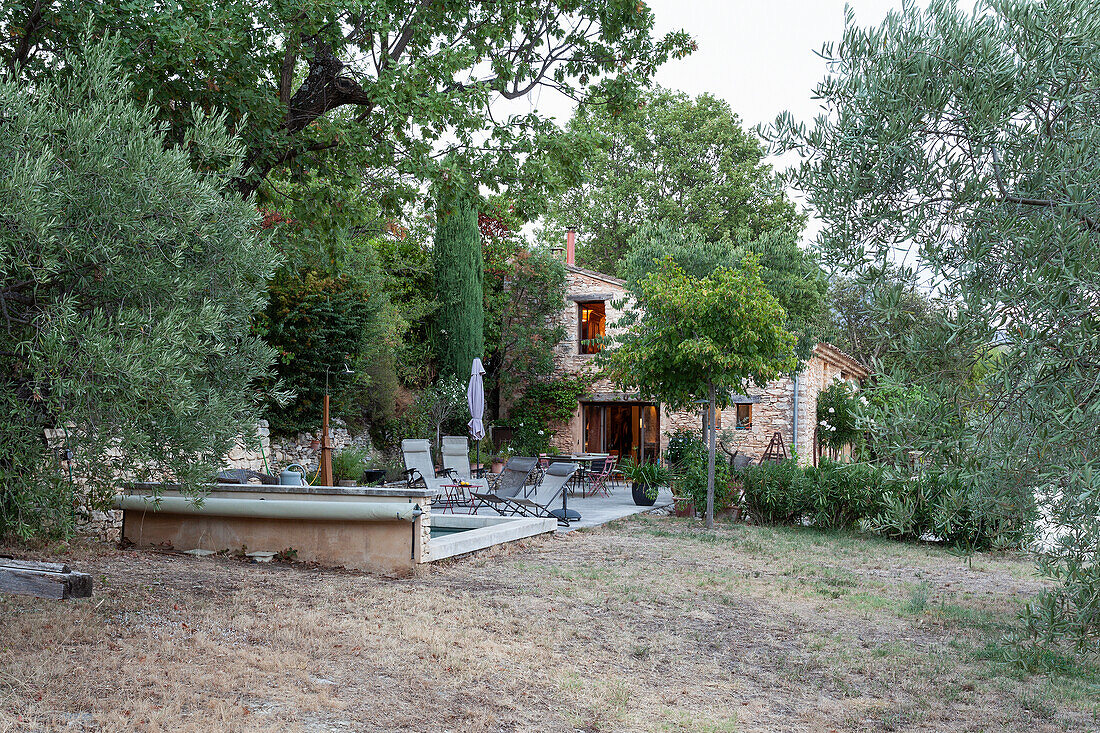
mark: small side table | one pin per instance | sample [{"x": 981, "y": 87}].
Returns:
[{"x": 454, "y": 495}]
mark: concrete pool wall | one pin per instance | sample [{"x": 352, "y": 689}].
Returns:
[{"x": 385, "y": 529}]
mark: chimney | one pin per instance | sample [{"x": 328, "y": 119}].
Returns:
[{"x": 570, "y": 246}]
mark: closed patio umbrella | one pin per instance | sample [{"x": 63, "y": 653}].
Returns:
[{"x": 475, "y": 398}]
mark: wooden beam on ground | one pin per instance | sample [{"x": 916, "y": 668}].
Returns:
[{"x": 43, "y": 579}]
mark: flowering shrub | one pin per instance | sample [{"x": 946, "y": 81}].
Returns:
[
  {"x": 837, "y": 416},
  {"x": 543, "y": 402}
]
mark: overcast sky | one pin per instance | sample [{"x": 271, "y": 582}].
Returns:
[{"x": 758, "y": 55}]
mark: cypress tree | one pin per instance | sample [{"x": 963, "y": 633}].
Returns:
[{"x": 459, "y": 272}]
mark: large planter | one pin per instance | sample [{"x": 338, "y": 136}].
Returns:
[
  {"x": 641, "y": 498},
  {"x": 684, "y": 506},
  {"x": 373, "y": 476}
]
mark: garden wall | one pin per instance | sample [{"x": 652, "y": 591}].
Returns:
[{"x": 279, "y": 452}]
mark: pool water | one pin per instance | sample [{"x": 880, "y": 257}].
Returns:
[{"x": 447, "y": 531}]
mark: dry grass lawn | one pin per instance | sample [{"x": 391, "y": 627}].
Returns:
[{"x": 651, "y": 624}]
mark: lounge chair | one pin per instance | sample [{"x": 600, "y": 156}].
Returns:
[
  {"x": 419, "y": 467},
  {"x": 456, "y": 461},
  {"x": 547, "y": 496},
  {"x": 512, "y": 484}
]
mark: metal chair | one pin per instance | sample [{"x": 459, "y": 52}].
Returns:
[
  {"x": 598, "y": 478},
  {"x": 547, "y": 493},
  {"x": 513, "y": 481}
]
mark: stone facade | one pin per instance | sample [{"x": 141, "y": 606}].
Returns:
[{"x": 772, "y": 406}]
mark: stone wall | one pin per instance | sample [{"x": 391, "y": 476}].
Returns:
[
  {"x": 271, "y": 456},
  {"x": 772, "y": 405},
  {"x": 282, "y": 451}
]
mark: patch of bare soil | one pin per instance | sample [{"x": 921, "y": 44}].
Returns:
[{"x": 646, "y": 625}]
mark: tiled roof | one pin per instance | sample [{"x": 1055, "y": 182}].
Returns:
[
  {"x": 598, "y": 275},
  {"x": 849, "y": 363}
]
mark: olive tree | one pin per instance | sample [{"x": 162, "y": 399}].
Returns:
[
  {"x": 962, "y": 145},
  {"x": 128, "y": 282}
]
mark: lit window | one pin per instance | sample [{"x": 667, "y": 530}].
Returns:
[
  {"x": 592, "y": 320},
  {"x": 744, "y": 417}
]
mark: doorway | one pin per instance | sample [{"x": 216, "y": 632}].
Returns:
[{"x": 623, "y": 429}]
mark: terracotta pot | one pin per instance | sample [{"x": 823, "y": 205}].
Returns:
[
  {"x": 684, "y": 507},
  {"x": 498, "y": 466},
  {"x": 314, "y": 444}
]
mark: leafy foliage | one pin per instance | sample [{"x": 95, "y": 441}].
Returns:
[
  {"x": 129, "y": 281},
  {"x": 408, "y": 279},
  {"x": 459, "y": 276},
  {"x": 546, "y": 402},
  {"x": 524, "y": 292},
  {"x": 682, "y": 445},
  {"x": 669, "y": 159},
  {"x": 439, "y": 409},
  {"x": 320, "y": 324},
  {"x": 837, "y": 419},
  {"x": 776, "y": 493},
  {"x": 349, "y": 464},
  {"x": 967, "y": 140},
  {"x": 688, "y": 338},
  {"x": 790, "y": 274},
  {"x": 692, "y": 474},
  {"x": 650, "y": 474},
  {"x": 902, "y": 505},
  {"x": 380, "y": 88}
]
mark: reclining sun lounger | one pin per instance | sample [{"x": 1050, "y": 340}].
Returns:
[
  {"x": 419, "y": 467},
  {"x": 456, "y": 461},
  {"x": 547, "y": 496},
  {"x": 513, "y": 482}
]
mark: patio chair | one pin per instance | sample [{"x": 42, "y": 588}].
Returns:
[
  {"x": 456, "y": 461},
  {"x": 598, "y": 478},
  {"x": 547, "y": 495},
  {"x": 419, "y": 467},
  {"x": 513, "y": 482}
]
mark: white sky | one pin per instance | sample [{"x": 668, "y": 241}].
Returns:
[{"x": 758, "y": 55}]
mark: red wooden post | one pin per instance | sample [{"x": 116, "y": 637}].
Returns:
[{"x": 326, "y": 448}]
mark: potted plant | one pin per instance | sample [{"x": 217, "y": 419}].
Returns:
[
  {"x": 348, "y": 466},
  {"x": 646, "y": 479},
  {"x": 500, "y": 458},
  {"x": 683, "y": 506}
]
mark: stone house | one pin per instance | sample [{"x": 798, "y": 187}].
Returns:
[{"x": 624, "y": 424}]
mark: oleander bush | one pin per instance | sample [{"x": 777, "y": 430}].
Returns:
[{"x": 934, "y": 504}]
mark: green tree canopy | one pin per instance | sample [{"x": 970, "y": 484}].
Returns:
[
  {"x": 967, "y": 141},
  {"x": 128, "y": 281},
  {"x": 459, "y": 280},
  {"x": 389, "y": 84},
  {"x": 688, "y": 339},
  {"x": 791, "y": 274},
  {"x": 670, "y": 159}
]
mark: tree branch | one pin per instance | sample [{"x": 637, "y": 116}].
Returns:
[
  {"x": 23, "y": 50},
  {"x": 1090, "y": 223}
]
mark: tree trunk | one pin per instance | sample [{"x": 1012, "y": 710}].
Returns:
[{"x": 710, "y": 458}]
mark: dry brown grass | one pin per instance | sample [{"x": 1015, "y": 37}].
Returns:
[{"x": 649, "y": 625}]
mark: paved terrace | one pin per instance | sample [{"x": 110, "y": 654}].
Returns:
[{"x": 598, "y": 509}]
